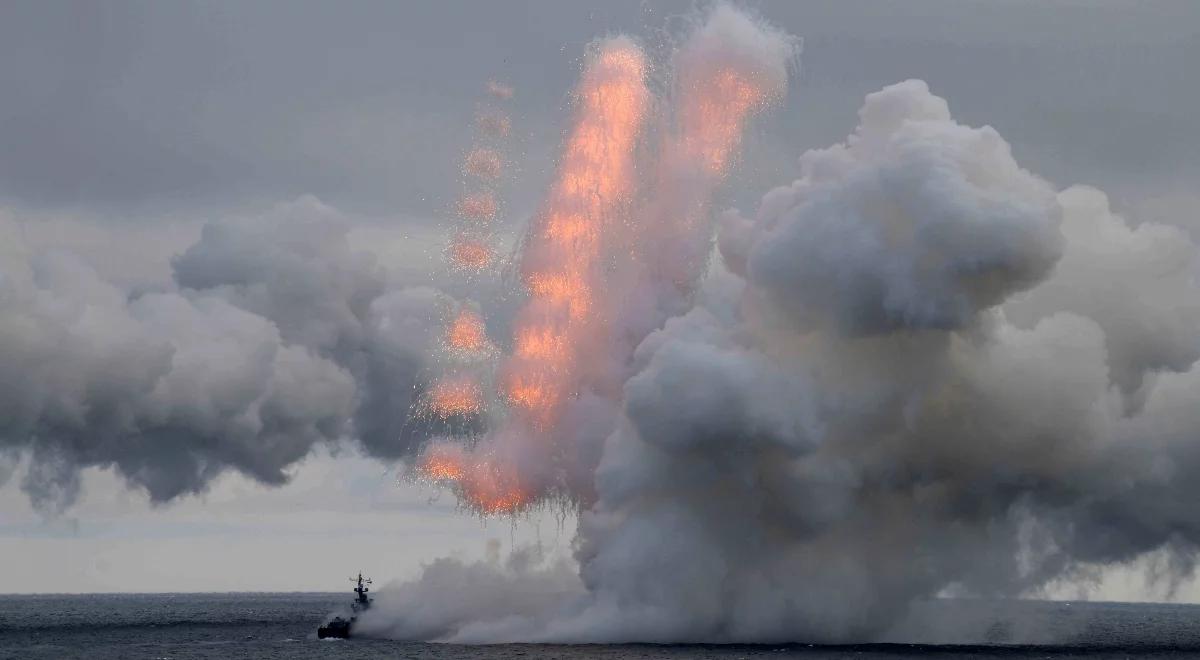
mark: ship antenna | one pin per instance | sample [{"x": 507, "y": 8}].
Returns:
[{"x": 362, "y": 590}]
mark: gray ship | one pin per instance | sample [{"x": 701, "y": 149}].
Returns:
[{"x": 340, "y": 627}]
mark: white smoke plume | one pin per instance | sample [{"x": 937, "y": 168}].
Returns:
[
  {"x": 275, "y": 336},
  {"x": 921, "y": 370}
]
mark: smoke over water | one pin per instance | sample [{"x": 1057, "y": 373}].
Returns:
[
  {"x": 274, "y": 337},
  {"x": 919, "y": 369}
]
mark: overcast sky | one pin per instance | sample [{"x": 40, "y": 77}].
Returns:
[{"x": 124, "y": 125}]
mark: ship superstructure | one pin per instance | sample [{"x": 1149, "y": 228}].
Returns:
[{"x": 340, "y": 627}]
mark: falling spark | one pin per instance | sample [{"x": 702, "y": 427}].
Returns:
[
  {"x": 466, "y": 335},
  {"x": 714, "y": 104},
  {"x": 483, "y": 163},
  {"x": 455, "y": 396},
  {"x": 480, "y": 484},
  {"x": 714, "y": 110},
  {"x": 439, "y": 466},
  {"x": 468, "y": 253},
  {"x": 586, "y": 222},
  {"x": 562, "y": 266},
  {"x": 541, "y": 344},
  {"x": 493, "y": 491},
  {"x": 493, "y": 124},
  {"x": 478, "y": 206}
]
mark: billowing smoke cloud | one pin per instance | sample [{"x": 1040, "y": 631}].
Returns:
[
  {"x": 275, "y": 337},
  {"x": 921, "y": 371},
  {"x": 915, "y": 223},
  {"x": 295, "y": 267}
]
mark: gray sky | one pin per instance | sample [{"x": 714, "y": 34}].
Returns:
[{"x": 124, "y": 125}]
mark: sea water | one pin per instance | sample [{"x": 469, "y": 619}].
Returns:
[{"x": 235, "y": 626}]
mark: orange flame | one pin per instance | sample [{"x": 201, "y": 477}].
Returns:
[
  {"x": 481, "y": 484},
  {"x": 455, "y": 396},
  {"x": 471, "y": 254},
  {"x": 466, "y": 333},
  {"x": 583, "y": 228},
  {"x": 715, "y": 104},
  {"x": 492, "y": 491},
  {"x": 439, "y": 467},
  {"x": 541, "y": 343},
  {"x": 561, "y": 266},
  {"x": 714, "y": 111}
]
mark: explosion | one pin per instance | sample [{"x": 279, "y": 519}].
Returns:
[
  {"x": 591, "y": 216},
  {"x": 916, "y": 370},
  {"x": 713, "y": 112},
  {"x": 481, "y": 484},
  {"x": 466, "y": 335},
  {"x": 441, "y": 466},
  {"x": 455, "y": 396},
  {"x": 561, "y": 263}
]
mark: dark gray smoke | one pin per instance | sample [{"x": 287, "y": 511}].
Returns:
[{"x": 274, "y": 337}]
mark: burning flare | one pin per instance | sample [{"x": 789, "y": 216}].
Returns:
[
  {"x": 720, "y": 84},
  {"x": 468, "y": 253},
  {"x": 479, "y": 206},
  {"x": 481, "y": 484},
  {"x": 586, "y": 231},
  {"x": 466, "y": 335},
  {"x": 562, "y": 268},
  {"x": 561, "y": 264},
  {"x": 455, "y": 396}
]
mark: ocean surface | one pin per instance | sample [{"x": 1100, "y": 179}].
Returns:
[{"x": 235, "y": 626}]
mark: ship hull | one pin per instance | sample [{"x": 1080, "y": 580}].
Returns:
[{"x": 336, "y": 629}]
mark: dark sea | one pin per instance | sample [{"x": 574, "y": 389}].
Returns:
[{"x": 235, "y": 626}]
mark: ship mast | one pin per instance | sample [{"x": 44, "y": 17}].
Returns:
[{"x": 362, "y": 590}]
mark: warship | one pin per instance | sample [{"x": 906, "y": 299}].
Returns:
[{"x": 339, "y": 627}]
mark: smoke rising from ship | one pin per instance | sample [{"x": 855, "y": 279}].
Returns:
[{"x": 918, "y": 369}]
